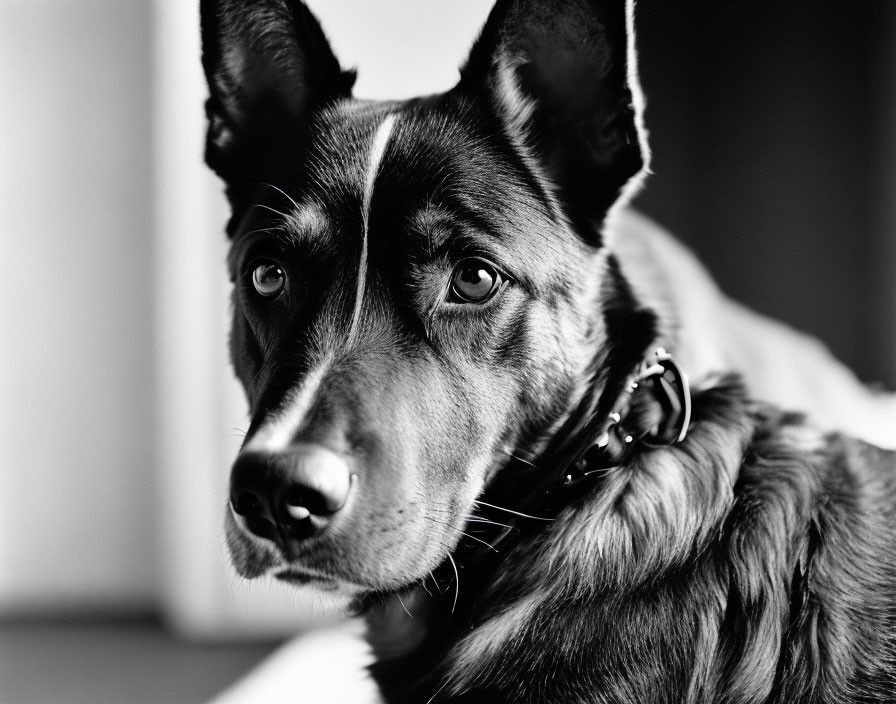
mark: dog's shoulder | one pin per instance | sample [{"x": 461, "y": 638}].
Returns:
[{"x": 755, "y": 562}]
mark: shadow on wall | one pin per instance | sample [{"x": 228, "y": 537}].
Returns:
[{"x": 774, "y": 134}]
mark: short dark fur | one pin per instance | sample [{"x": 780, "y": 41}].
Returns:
[{"x": 753, "y": 562}]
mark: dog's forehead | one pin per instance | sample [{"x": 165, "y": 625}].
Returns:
[
  {"x": 340, "y": 152},
  {"x": 403, "y": 179},
  {"x": 402, "y": 164}
]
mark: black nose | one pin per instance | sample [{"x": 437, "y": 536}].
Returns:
[{"x": 297, "y": 491}]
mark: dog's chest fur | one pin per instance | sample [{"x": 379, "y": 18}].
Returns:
[{"x": 674, "y": 579}]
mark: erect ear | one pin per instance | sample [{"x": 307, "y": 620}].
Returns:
[
  {"x": 561, "y": 76},
  {"x": 269, "y": 68}
]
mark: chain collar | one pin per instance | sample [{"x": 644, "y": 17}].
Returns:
[{"x": 659, "y": 382}]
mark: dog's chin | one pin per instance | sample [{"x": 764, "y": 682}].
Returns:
[
  {"x": 252, "y": 558},
  {"x": 337, "y": 593},
  {"x": 300, "y": 578},
  {"x": 303, "y": 577}
]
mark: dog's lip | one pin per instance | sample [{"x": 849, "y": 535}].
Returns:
[
  {"x": 300, "y": 576},
  {"x": 300, "y": 572}
]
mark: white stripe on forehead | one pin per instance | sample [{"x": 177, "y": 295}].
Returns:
[{"x": 375, "y": 157}]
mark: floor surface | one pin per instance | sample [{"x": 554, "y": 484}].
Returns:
[{"x": 115, "y": 663}]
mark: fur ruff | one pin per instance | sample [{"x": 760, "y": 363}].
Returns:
[{"x": 751, "y": 563}]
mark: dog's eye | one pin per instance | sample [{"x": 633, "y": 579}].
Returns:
[
  {"x": 268, "y": 278},
  {"x": 475, "y": 281}
]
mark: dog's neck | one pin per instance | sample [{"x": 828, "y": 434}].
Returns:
[
  {"x": 631, "y": 527},
  {"x": 594, "y": 450},
  {"x": 613, "y": 516},
  {"x": 653, "y": 410},
  {"x": 634, "y": 397}
]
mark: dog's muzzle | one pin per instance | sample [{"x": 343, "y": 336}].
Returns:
[{"x": 288, "y": 496}]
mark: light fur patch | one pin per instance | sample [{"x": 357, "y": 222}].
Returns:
[
  {"x": 309, "y": 218},
  {"x": 805, "y": 438},
  {"x": 374, "y": 159},
  {"x": 644, "y": 519}
]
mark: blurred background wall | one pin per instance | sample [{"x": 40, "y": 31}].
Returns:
[
  {"x": 77, "y": 441},
  {"x": 774, "y": 133}
]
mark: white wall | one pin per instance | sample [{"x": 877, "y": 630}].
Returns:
[
  {"x": 402, "y": 49},
  {"x": 76, "y": 387}
]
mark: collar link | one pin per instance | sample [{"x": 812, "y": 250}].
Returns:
[{"x": 657, "y": 380}]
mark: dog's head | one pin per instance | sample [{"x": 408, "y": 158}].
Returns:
[{"x": 420, "y": 288}]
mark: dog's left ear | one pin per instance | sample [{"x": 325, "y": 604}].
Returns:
[
  {"x": 269, "y": 69},
  {"x": 561, "y": 76}
]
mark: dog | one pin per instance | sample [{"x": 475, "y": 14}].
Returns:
[{"x": 486, "y": 393}]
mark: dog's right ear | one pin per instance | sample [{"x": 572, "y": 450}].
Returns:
[{"x": 269, "y": 68}]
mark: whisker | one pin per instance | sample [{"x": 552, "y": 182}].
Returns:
[
  {"x": 289, "y": 197},
  {"x": 520, "y": 459},
  {"x": 402, "y": 604},
  {"x": 515, "y": 513},
  {"x": 479, "y": 540},
  {"x": 273, "y": 210},
  {"x": 438, "y": 691},
  {"x": 456, "y": 582},
  {"x": 463, "y": 533},
  {"x": 436, "y": 521},
  {"x": 275, "y": 228},
  {"x": 438, "y": 509},
  {"x": 436, "y": 583},
  {"x": 476, "y": 519},
  {"x": 471, "y": 537}
]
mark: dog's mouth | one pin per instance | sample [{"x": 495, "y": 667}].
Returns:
[
  {"x": 352, "y": 564},
  {"x": 302, "y": 577}
]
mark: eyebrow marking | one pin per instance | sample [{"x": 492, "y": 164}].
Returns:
[
  {"x": 375, "y": 157},
  {"x": 310, "y": 219}
]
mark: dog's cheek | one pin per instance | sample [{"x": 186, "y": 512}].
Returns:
[
  {"x": 245, "y": 354},
  {"x": 421, "y": 475},
  {"x": 534, "y": 370}
]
